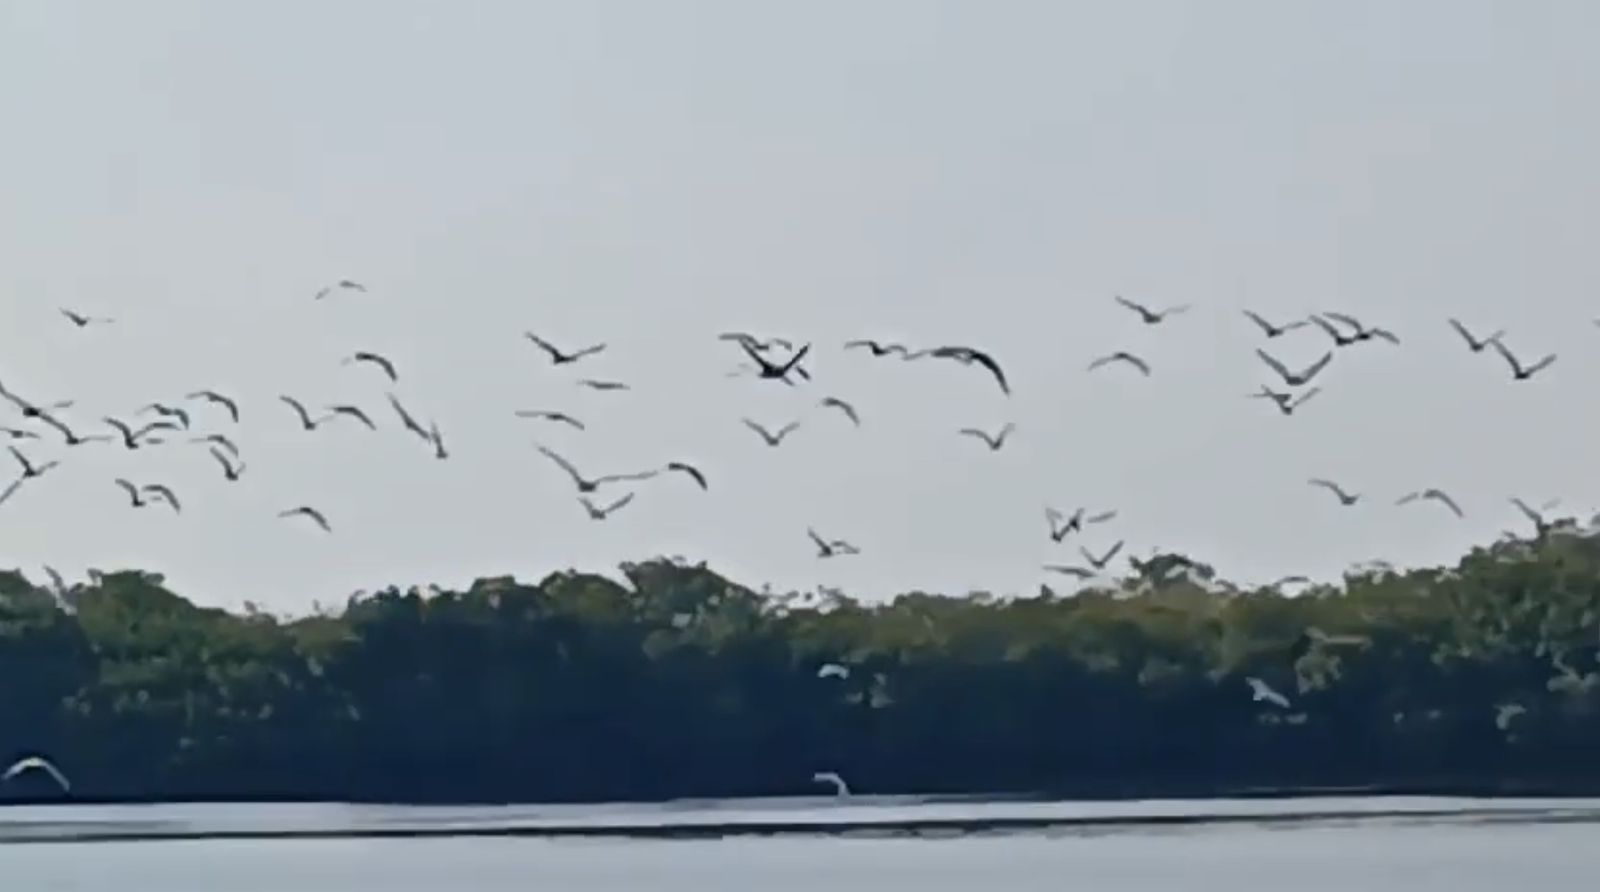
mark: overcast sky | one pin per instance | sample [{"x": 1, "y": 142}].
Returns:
[{"x": 650, "y": 174}]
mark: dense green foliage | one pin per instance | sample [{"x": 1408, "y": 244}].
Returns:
[{"x": 684, "y": 684}]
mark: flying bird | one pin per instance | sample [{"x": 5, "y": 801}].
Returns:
[
  {"x": 1437, "y": 495},
  {"x": 342, "y": 285},
  {"x": 827, "y": 548},
  {"x": 1260, "y": 690},
  {"x": 877, "y": 348},
  {"x": 1475, "y": 344},
  {"x": 17, "y": 433},
  {"x": 1274, "y": 331},
  {"x": 584, "y": 484},
  {"x": 777, "y": 371},
  {"x": 230, "y": 470},
  {"x": 307, "y": 511},
  {"x": 81, "y": 320},
  {"x": 133, "y": 439},
  {"x": 1344, "y": 496},
  {"x": 1287, "y": 402},
  {"x": 772, "y": 438},
  {"x": 378, "y": 360},
  {"x": 595, "y": 384},
  {"x": 36, "y": 763},
  {"x": 1520, "y": 372},
  {"x": 1293, "y": 378},
  {"x": 352, "y": 412},
  {"x": 164, "y": 494},
  {"x": 833, "y": 402},
  {"x": 995, "y": 441},
  {"x": 1340, "y": 339},
  {"x": 408, "y": 420},
  {"x": 1122, "y": 356},
  {"x": 548, "y": 415},
  {"x": 691, "y": 470},
  {"x": 1099, "y": 563},
  {"x": 219, "y": 440},
  {"x": 557, "y": 357},
  {"x": 29, "y": 469},
  {"x": 166, "y": 411},
  {"x": 1061, "y": 525},
  {"x": 134, "y": 496},
  {"x": 601, "y": 513},
  {"x": 306, "y": 421},
  {"x": 211, "y": 396},
  {"x": 1149, "y": 316},
  {"x": 970, "y": 355}
]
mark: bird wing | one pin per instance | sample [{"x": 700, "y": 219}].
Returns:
[
  {"x": 788, "y": 429},
  {"x": 587, "y": 351},
  {"x": 310, "y": 512},
  {"x": 565, "y": 465},
  {"x": 544, "y": 345},
  {"x": 794, "y": 360},
  {"x": 619, "y": 503},
  {"x": 1538, "y": 365},
  {"x": 1327, "y": 326},
  {"x": 356, "y": 413},
  {"x": 867, "y": 343},
  {"x": 11, "y": 490},
  {"x": 129, "y": 488},
  {"x": 1261, "y": 323},
  {"x": 127, "y": 433},
  {"x": 1328, "y": 485},
  {"x": 1136, "y": 362},
  {"x": 299, "y": 409},
  {"x": 227, "y": 466},
  {"x": 1137, "y": 308},
  {"x": 1408, "y": 498},
  {"x": 56, "y": 423},
  {"x": 165, "y": 493},
  {"x": 1465, "y": 335},
  {"x": 1102, "y": 517},
  {"x": 821, "y": 543},
  {"x": 1384, "y": 334},
  {"x": 406, "y": 418},
  {"x": 154, "y": 426},
  {"x": 1312, "y": 370},
  {"x": 1527, "y": 511},
  {"x": 1305, "y": 396},
  {"x": 1345, "y": 319},
  {"x": 841, "y": 405},
  {"x": 988, "y": 362},
  {"x": 765, "y": 434},
  {"x": 1507, "y": 355},
  {"x": 1440, "y": 495},
  {"x": 21, "y": 459},
  {"x": 1274, "y": 364},
  {"x": 381, "y": 361},
  {"x": 691, "y": 470},
  {"x": 1070, "y": 570}
]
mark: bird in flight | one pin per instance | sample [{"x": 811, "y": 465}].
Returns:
[
  {"x": 827, "y": 548},
  {"x": 17, "y": 433},
  {"x": 139, "y": 496},
  {"x": 341, "y": 285},
  {"x": 595, "y": 384},
  {"x": 1149, "y": 316},
  {"x": 1292, "y": 378},
  {"x": 83, "y": 321},
  {"x": 877, "y": 348},
  {"x": 584, "y": 484},
  {"x": 772, "y": 438},
  {"x": 601, "y": 513},
  {"x": 230, "y": 470},
  {"x": 351, "y": 412},
  {"x": 163, "y": 493},
  {"x": 133, "y": 439},
  {"x": 1275, "y": 331},
  {"x": 211, "y": 396},
  {"x": 29, "y": 469},
  {"x": 1520, "y": 372},
  {"x": 1437, "y": 495},
  {"x": 970, "y": 355},
  {"x": 219, "y": 440},
  {"x": 767, "y": 369},
  {"x": 1344, "y": 496},
  {"x": 1122, "y": 356},
  {"x": 1475, "y": 344},
  {"x": 306, "y": 421},
  {"x": 308, "y": 511},
  {"x": 1360, "y": 332},
  {"x": 691, "y": 470},
  {"x": 1260, "y": 690},
  {"x": 166, "y": 411},
  {"x": 36, "y": 763},
  {"x": 1340, "y": 339},
  {"x": 549, "y": 415},
  {"x": 995, "y": 441},
  {"x": 1100, "y": 562},
  {"x": 1060, "y": 525},
  {"x": 376, "y": 359},
  {"x": 1288, "y": 402},
  {"x": 833, "y": 402},
  {"x": 557, "y": 356}
]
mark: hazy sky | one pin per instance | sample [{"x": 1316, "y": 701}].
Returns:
[{"x": 650, "y": 174}]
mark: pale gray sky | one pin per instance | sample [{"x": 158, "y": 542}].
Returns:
[{"x": 650, "y": 174}]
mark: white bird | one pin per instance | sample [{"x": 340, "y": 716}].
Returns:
[
  {"x": 36, "y": 763},
  {"x": 833, "y": 670},
  {"x": 1260, "y": 690},
  {"x": 840, "y": 788}
]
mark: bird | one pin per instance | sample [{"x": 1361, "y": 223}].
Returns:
[
  {"x": 1340, "y": 339},
  {"x": 833, "y": 670},
  {"x": 230, "y": 470},
  {"x": 584, "y": 484},
  {"x": 351, "y": 412},
  {"x": 994, "y": 442},
  {"x": 1274, "y": 331},
  {"x": 437, "y": 438},
  {"x": 17, "y": 433},
  {"x": 840, "y": 788},
  {"x": 306, "y": 421},
  {"x": 29, "y": 469},
  {"x": 211, "y": 396},
  {"x": 1437, "y": 495},
  {"x": 831, "y": 547},
  {"x": 1122, "y": 356},
  {"x": 71, "y": 437},
  {"x": 877, "y": 348},
  {"x": 166, "y": 411},
  {"x": 134, "y": 495},
  {"x": 772, "y": 438},
  {"x": 1540, "y": 525},
  {"x": 767, "y": 369},
  {"x": 376, "y": 359},
  {"x": 1474, "y": 344},
  {"x": 691, "y": 470},
  {"x": 307, "y": 511},
  {"x": 36, "y": 763},
  {"x": 11, "y": 489},
  {"x": 1060, "y": 525},
  {"x": 599, "y": 513},
  {"x": 133, "y": 439},
  {"x": 970, "y": 355},
  {"x": 1099, "y": 563},
  {"x": 1260, "y": 690},
  {"x": 1292, "y": 378},
  {"x": 1360, "y": 332},
  {"x": 557, "y": 357},
  {"x": 1520, "y": 372},
  {"x": 341, "y": 285},
  {"x": 1344, "y": 496},
  {"x": 219, "y": 440},
  {"x": 596, "y": 384},
  {"x": 407, "y": 419},
  {"x": 163, "y": 493},
  {"x": 1286, "y": 402},
  {"x": 82, "y": 321},
  {"x": 549, "y": 415},
  {"x": 833, "y": 402},
  {"x": 1149, "y": 316}
]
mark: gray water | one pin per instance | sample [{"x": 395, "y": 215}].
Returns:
[{"x": 1308, "y": 844}]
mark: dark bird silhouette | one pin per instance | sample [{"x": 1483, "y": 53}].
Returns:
[
  {"x": 1292, "y": 378},
  {"x": 1437, "y": 495},
  {"x": 211, "y": 396},
  {"x": 601, "y": 513},
  {"x": 308, "y": 511},
  {"x": 691, "y": 470},
  {"x": 378, "y": 360},
  {"x": 352, "y": 412},
  {"x": 877, "y": 348},
  {"x": 1344, "y": 496},
  {"x": 1070, "y": 570},
  {"x": 549, "y": 415},
  {"x": 306, "y": 421},
  {"x": 166, "y": 411},
  {"x": 1340, "y": 339},
  {"x": 778, "y": 371},
  {"x": 132, "y": 438},
  {"x": 72, "y": 438},
  {"x": 1474, "y": 344},
  {"x": 833, "y": 402},
  {"x": 968, "y": 356},
  {"x": 230, "y": 470},
  {"x": 772, "y": 438},
  {"x": 1275, "y": 331},
  {"x": 1287, "y": 403},
  {"x": 1099, "y": 563},
  {"x": 408, "y": 420},
  {"x": 341, "y": 285},
  {"x": 82, "y": 320},
  {"x": 557, "y": 357},
  {"x": 1149, "y": 316},
  {"x": 1122, "y": 356},
  {"x": 594, "y": 384},
  {"x": 1061, "y": 525},
  {"x": 17, "y": 433},
  {"x": 11, "y": 489},
  {"x": 1520, "y": 372},
  {"x": 219, "y": 440},
  {"x": 29, "y": 469},
  {"x": 163, "y": 494},
  {"x": 827, "y": 548},
  {"x": 584, "y": 484},
  {"x": 995, "y": 441},
  {"x": 1360, "y": 332}
]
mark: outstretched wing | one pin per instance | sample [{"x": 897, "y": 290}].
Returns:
[
  {"x": 691, "y": 470},
  {"x": 1274, "y": 364},
  {"x": 299, "y": 409},
  {"x": 406, "y": 418},
  {"x": 565, "y": 465}
]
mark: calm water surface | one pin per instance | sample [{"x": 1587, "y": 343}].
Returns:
[{"x": 1374, "y": 844}]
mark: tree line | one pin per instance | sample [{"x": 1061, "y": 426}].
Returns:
[{"x": 681, "y": 683}]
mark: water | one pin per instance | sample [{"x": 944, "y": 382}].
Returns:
[{"x": 1375, "y": 843}]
